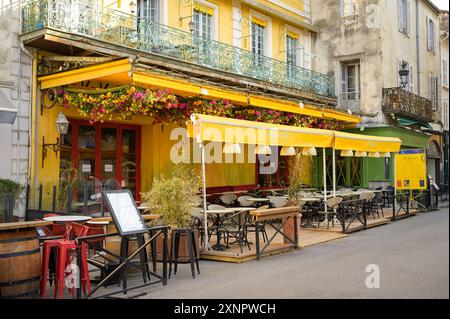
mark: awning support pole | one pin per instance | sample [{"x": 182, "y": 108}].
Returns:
[
  {"x": 324, "y": 178},
  {"x": 334, "y": 172},
  {"x": 202, "y": 146}
]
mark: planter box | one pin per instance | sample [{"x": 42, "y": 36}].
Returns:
[{"x": 288, "y": 228}]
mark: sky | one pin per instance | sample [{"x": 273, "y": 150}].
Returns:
[{"x": 442, "y": 4}]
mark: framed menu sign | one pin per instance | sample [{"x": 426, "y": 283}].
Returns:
[{"x": 124, "y": 212}]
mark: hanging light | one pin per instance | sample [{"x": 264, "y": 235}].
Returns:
[
  {"x": 387, "y": 154},
  {"x": 263, "y": 150},
  {"x": 346, "y": 153},
  {"x": 360, "y": 154},
  {"x": 309, "y": 151},
  {"x": 232, "y": 148},
  {"x": 374, "y": 154},
  {"x": 287, "y": 151}
]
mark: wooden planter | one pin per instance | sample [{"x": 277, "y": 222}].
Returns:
[
  {"x": 288, "y": 228},
  {"x": 183, "y": 252}
]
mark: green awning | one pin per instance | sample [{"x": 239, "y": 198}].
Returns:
[{"x": 406, "y": 122}]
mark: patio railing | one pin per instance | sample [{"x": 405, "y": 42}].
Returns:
[{"x": 86, "y": 18}]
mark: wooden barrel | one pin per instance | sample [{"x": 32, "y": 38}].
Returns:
[{"x": 20, "y": 263}]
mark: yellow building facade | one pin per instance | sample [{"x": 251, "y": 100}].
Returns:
[{"x": 248, "y": 52}]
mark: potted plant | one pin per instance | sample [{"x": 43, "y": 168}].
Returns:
[
  {"x": 172, "y": 198},
  {"x": 295, "y": 186},
  {"x": 9, "y": 198}
]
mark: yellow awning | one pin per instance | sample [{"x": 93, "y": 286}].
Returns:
[
  {"x": 120, "y": 73},
  {"x": 292, "y": 35},
  {"x": 221, "y": 129},
  {"x": 259, "y": 21},
  {"x": 85, "y": 74},
  {"x": 203, "y": 9},
  {"x": 365, "y": 143}
]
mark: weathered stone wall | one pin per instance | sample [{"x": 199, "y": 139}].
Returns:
[{"x": 15, "y": 82}]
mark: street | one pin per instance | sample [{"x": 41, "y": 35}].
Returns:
[{"x": 412, "y": 255}]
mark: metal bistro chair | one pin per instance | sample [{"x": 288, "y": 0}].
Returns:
[
  {"x": 329, "y": 210},
  {"x": 227, "y": 200},
  {"x": 277, "y": 201},
  {"x": 236, "y": 228},
  {"x": 368, "y": 198},
  {"x": 242, "y": 200},
  {"x": 251, "y": 227}
]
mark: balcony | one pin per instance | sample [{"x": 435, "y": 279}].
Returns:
[
  {"x": 399, "y": 101},
  {"x": 350, "y": 101},
  {"x": 115, "y": 27}
]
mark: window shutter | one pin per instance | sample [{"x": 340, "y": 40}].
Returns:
[
  {"x": 408, "y": 18},
  {"x": 411, "y": 83},
  {"x": 341, "y": 8},
  {"x": 428, "y": 34},
  {"x": 400, "y": 15}
]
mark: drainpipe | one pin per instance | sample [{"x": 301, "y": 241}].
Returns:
[
  {"x": 417, "y": 47},
  {"x": 31, "y": 56}
]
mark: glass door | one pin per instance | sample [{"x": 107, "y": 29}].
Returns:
[
  {"x": 129, "y": 160},
  {"x": 109, "y": 155}
]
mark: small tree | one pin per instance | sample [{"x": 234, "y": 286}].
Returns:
[{"x": 172, "y": 197}]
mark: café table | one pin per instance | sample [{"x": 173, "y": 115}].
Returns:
[
  {"x": 258, "y": 200},
  {"x": 217, "y": 220},
  {"x": 67, "y": 218}
]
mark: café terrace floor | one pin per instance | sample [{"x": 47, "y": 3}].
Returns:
[{"x": 307, "y": 237}]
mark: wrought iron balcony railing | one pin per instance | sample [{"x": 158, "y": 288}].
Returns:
[
  {"x": 397, "y": 100},
  {"x": 84, "y": 18},
  {"x": 350, "y": 101}
]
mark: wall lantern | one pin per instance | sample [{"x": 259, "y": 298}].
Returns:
[
  {"x": 62, "y": 126},
  {"x": 263, "y": 150},
  {"x": 287, "y": 151},
  {"x": 404, "y": 74},
  {"x": 347, "y": 153},
  {"x": 360, "y": 154},
  {"x": 309, "y": 151},
  {"x": 132, "y": 6},
  {"x": 232, "y": 148}
]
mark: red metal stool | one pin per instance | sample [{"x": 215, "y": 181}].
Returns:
[
  {"x": 64, "y": 259},
  {"x": 48, "y": 245}
]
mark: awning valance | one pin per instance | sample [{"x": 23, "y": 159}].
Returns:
[
  {"x": 365, "y": 143},
  {"x": 121, "y": 72},
  {"x": 221, "y": 129}
]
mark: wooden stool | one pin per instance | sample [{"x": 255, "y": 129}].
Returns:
[{"x": 191, "y": 247}]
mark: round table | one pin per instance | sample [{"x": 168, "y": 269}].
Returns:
[
  {"x": 67, "y": 218},
  {"x": 218, "y": 213},
  {"x": 257, "y": 200}
]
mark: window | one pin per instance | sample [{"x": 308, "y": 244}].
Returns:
[
  {"x": 348, "y": 9},
  {"x": 291, "y": 53},
  {"x": 149, "y": 9},
  {"x": 202, "y": 21},
  {"x": 431, "y": 35},
  {"x": 404, "y": 16},
  {"x": 444, "y": 72},
  {"x": 257, "y": 40},
  {"x": 433, "y": 92},
  {"x": 445, "y": 114},
  {"x": 350, "y": 81},
  {"x": 409, "y": 82}
]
